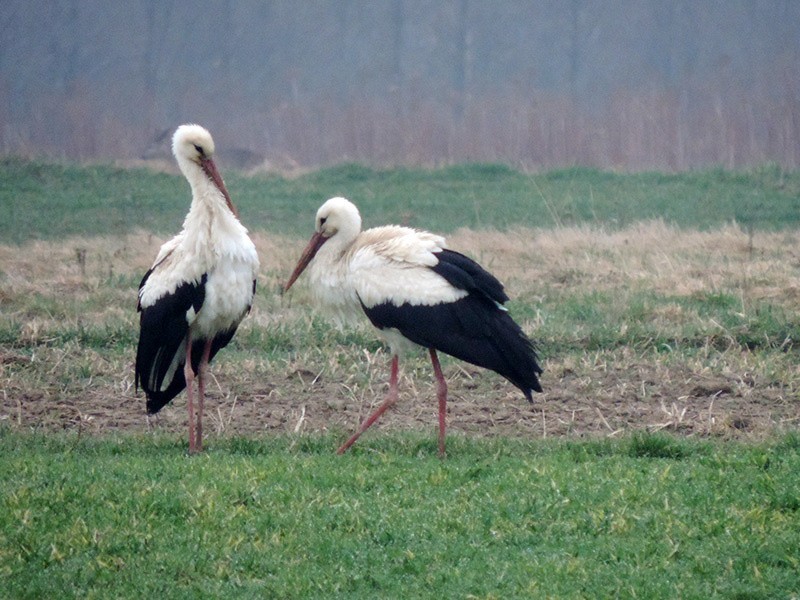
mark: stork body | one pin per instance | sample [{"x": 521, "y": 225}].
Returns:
[
  {"x": 198, "y": 290},
  {"x": 416, "y": 292}
]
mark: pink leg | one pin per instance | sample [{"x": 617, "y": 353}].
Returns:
[
  {"x": 391, "y": 398},
  {"x": 188, "y": 374},
  {"x": 441, "y": 395},
  {"x": 201, "y": 385}
]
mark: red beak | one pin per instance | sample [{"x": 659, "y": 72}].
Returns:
[
  {"x": 314, "y": 244},
  {"x": 211, "y": 170}
]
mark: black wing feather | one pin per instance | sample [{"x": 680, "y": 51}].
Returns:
[
  {"x": 141, "y": 285},
  {"x": 465, "y": 274}
]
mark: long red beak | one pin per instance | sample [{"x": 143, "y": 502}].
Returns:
[
  {"x": 210, "y": 169},
  {"x": 314, "y": 244}
]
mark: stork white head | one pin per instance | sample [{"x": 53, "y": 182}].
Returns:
[
  {"x": 338, "y": 218},
  {"x": 192, "y": 142},
  {"x": 193, "y": 147}
]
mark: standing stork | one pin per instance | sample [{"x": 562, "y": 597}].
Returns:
[
  {"x": 198, "y": 290},
  {"x": 417, "y": 293}
]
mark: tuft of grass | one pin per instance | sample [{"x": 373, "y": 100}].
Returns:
[{"x": 646, "y": 445}]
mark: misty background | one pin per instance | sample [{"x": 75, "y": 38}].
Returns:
[{"x": 617, "y": 84}]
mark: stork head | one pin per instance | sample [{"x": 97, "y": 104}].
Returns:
[
  {"x": 338, "y": 218},
  {"x": 193, "y": 145}
]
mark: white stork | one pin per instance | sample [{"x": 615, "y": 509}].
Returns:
[
  {"x": 198, "y": 290},
  {"x": 417, "y": 293}
]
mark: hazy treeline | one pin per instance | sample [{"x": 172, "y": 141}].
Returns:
[{"x": 629, "y": 84}]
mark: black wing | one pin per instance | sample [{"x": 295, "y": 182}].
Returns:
[
  {"x": 162, "y": 343},
  {"x": 475, "y": 329}
]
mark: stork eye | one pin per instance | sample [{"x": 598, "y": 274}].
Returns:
[
  {"x": 322, "y": 221},
  {"x": 200, "y": 150}
]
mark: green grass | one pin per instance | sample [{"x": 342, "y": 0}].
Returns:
[
  {"x": 649, "y": 516},
  {"x": 108, "y": 200},
  {"x": 579, "y": 320}
]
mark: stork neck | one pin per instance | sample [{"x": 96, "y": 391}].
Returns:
[{"x": 206, "y": 196}]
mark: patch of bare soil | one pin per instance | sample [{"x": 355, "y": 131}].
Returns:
[{"x": 588, "y": 401}]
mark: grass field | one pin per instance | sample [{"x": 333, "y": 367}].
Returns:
[
  {"x": 661, "y": 461},
  {"x": 647, "y": 517},
  {"x": 108, "y": 200}
]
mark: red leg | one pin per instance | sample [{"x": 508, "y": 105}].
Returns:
[
  {"x": 201, "y": 385},
  {"x": 391, "y": 398},
  {"x": 441, "y": 395},
  {"x": 188, "y": 374}
]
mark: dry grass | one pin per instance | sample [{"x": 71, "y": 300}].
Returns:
[
  {"x": 62, "y": 303},
  {"x": 652, "y": 255}
]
